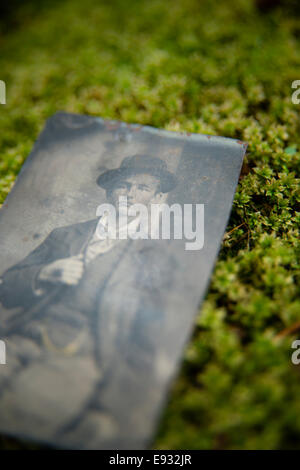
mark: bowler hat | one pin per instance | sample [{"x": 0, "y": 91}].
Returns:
[{"x": 138, "y": 164}]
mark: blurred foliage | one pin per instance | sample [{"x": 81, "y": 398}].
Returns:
[{"x": 222, "y": 68}]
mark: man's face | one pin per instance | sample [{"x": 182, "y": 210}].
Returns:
[{"x": 139, "y": 189}]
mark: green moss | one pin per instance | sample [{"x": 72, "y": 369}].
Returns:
[{"x": 212, "y": 67}]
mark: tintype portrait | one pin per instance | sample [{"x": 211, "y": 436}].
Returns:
[{"x": 94, "y": 326}]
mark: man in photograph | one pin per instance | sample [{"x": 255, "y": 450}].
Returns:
[{"x": 87, "y": 302}]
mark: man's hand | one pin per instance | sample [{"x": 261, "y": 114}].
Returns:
[{"x": 67, "y": 270}]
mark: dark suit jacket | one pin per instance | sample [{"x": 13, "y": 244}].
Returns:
[
  {"x": 18, "y": 282},
  {"x": 124, "y": 285},
  {"x": 121, "y": 299}
]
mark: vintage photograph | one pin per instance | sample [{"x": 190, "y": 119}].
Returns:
[
  {"x": 149, "y": 230},
  {"x": 95, "y": 322}
]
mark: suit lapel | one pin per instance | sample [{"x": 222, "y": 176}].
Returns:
[{"x": 80, "y": 236}]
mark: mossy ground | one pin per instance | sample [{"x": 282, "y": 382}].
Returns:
[{"x": 212, "y": 67}]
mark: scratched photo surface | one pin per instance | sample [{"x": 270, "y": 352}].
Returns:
[{"x": 94, "y": 328}]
